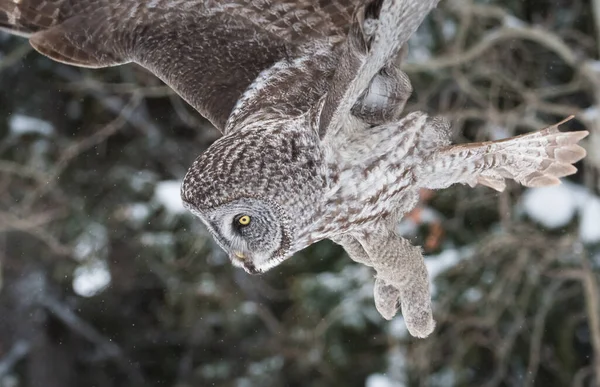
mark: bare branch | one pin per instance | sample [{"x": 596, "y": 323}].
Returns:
[
  {"x": 84, "y": 329},
  {"x": 18, "y": 351}
]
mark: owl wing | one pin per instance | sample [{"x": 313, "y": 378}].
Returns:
[
  {"x": 208, "y": 51},
  {"x": 365, "y": 57}
]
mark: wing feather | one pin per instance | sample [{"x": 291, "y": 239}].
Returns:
[
  {"x": 208, "y": 51},
  {"x": 397, "y": 20}
]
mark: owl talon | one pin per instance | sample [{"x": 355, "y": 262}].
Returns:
[
  {"x": 387, "y": 299},
  {"x": 419, "y": 323},
  {"x": 417, "y": 315}
]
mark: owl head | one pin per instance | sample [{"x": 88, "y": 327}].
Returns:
[{"x": 257, "y": 192}]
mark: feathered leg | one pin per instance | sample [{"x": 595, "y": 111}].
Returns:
[
  {"x": 384, "y": 100},
  {"x": 401, "y": 281},
  {"x": 386, "y": 297},
  {"x": 535, "y": 159}
]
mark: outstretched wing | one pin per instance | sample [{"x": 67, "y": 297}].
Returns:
[{"x": 208, "y": 51}]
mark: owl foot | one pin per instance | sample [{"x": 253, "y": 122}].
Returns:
[
  {"x": 417, "y": 314},
  {"x": 384, "y": 100},
  {"x": 419, "y": 322},
  {"x": 401, "y": 281},
  {"x": 387, "y": 299}
]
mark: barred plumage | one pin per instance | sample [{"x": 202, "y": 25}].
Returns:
[{"x": 308, "y": 94}]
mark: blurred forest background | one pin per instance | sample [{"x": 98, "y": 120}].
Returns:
[{"x": 106, "y": 281}]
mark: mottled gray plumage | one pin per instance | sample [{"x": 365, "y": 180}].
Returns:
[{"x": 309, "y": 97}]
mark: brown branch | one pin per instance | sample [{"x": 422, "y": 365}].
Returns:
[
  {"x": 18, "y": 352},
  {"x": 76, "y": 149},
  {"x": 15, "y": 56},
  {"x": 596, "y": 13},
  {"x": 592, "y": 294},
  {"x": 538, "y": 35},
  {"x": 539, "y": 324},
  {"x": 87, "y": 331}
]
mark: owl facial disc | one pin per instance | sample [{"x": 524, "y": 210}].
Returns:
[{"x": 253, "y": 232}]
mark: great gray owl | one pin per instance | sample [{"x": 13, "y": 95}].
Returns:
[{"x": 308, "y": 95}]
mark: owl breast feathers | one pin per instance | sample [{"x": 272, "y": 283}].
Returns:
[{"x": 309, "y": 97}]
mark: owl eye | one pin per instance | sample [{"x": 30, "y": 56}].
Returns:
[{"x": 243, "y": 220}]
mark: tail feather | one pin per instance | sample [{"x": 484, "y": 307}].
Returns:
[{"x": 535, "y": 160}]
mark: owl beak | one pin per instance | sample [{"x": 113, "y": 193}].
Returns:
[{"x": 241, "y": 260}]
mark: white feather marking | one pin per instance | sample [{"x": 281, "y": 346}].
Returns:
[
  {"x": 14, "y": 15},
  {"x": 133, "y": 10},
  {"x": 376, "y": 95},
  {"x": 264, "y": 79}
]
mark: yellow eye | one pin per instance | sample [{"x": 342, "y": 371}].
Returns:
[{"x": 244, "y": 220}]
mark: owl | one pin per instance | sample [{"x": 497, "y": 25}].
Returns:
[{"x": 309, "y": 97}]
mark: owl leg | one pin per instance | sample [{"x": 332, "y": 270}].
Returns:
[
  {"x": 387, "y": 297},
  {"x": 400, "y": 265},
  {"x": 535, "y": 159},
  {"x": 354, "y": 249},
  {"x": 401, "y": 281},
  {"x": 384, "y": 100}
]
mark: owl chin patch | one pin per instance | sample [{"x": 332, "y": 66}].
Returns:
[{"x": 250, "y": 268}]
